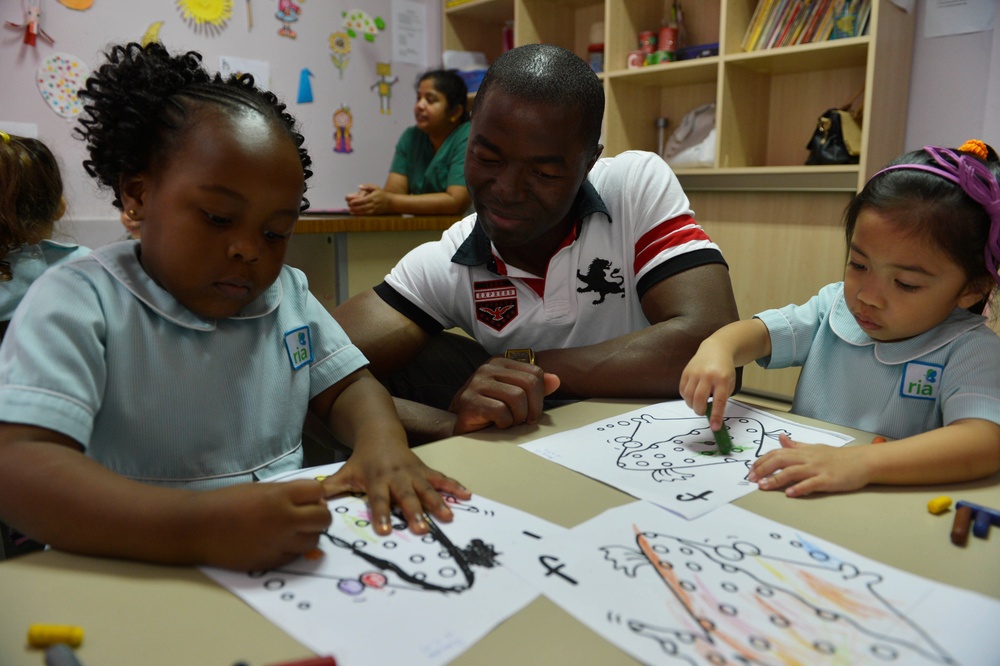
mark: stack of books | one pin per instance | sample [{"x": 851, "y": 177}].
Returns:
[{"x": 777, "y": 23}]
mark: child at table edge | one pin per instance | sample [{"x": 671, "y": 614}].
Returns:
[
  {"x": 899, "y": 347},
  {"x": 31, "y": 202},
  {"x": 141, "y": 387}
]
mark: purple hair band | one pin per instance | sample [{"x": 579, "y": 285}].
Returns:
[{"x": 977, "y": 181}]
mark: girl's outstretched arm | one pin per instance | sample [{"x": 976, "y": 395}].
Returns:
[
  {"x": 53, "y": 493},
  {"x": 360, "y": 412},
  {"x": 711, "y": 372},
  {"x": 962, "y": 451}
]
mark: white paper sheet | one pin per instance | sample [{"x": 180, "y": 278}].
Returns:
[
  {"x": 666, "y": 454},
  {"x": 398, "y": 599},
  {"x": 733, "y": 587}
]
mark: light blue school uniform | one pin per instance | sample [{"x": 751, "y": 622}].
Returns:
[
  {"x": 896, "y": 389},
  {"x": 99, "y": 352},
  {"x": 26, "y": 264}
]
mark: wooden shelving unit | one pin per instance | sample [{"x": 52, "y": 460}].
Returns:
[{"x": 777, "y": 220}]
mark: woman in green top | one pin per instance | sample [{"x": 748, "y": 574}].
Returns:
[{"x": 427, "y": 175}]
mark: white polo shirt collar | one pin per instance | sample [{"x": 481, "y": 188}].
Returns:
[{"x": 477, "y": 249}]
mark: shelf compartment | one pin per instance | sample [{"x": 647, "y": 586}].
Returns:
[
  {"x": 630, "y": 17},
  {"x": 477, "y": 26},
  {"x": 637, "y": 98},
  {"x": 768, "y": 108},
  {"x": 565, "y": 23}
]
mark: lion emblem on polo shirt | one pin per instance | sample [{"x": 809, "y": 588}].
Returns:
[{"x": 602, "y": 279}]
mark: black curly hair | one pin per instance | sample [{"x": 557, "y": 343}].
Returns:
[{"x": 136, "y": 106}]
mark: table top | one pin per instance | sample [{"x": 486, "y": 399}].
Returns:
[
  {"x": 332, "y": 223},
  {"x": 137, "y": 613}
]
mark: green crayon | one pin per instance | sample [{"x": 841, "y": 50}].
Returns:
[{"x": 721, "y": 435}]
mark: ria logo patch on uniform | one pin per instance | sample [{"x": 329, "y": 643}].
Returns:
[
  {"x": 921, "y": 380},
  {"x": 299, "y": 345},
  {"x": 495, "y": 302}
]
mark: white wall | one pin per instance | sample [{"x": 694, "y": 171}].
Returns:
[
  {"x": 955, "y": 88},
  {"x": 90, "y": 218}
]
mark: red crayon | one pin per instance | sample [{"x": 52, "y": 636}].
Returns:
[{"x": 960, "y": 530}]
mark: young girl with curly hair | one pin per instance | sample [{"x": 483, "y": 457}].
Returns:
[{"x": 143, "y": 388}]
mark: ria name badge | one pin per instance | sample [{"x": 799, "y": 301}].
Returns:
[
  {"x": 921, "y": 380},
  {"x": 299, "y": 346}
]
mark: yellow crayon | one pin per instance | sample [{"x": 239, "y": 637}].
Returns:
[
  {"x": 44, "y": 635},
  {"x": 939, "y": 504}
]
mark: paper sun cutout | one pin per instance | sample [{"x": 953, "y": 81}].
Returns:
[{"x": 208, "y": 15}]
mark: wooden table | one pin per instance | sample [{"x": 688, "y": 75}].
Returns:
[
  {"x": 338, "y": 225},
  {"x": 152, "y": 615}
]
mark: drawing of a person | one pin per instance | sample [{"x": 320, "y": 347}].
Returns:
[
  {"x": 288, "y": 13},
  {"x": 342, "y": 121}
]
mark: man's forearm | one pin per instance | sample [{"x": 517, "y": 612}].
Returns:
[{"x": 424, "y": 423}]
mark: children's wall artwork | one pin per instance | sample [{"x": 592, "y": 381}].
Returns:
[
  {"x": 359, "y": 23},
  {"x": 342, "y": 121},
  {"x": 435, "y": 594},
  {"x": 78, "y": 5},
  {"x": 733, "y": 587},
  {"x": 59, "y": 77},
  {"x": 305, "y": 86},
  {"x": 340, "y": 51},
  {"x": 287, "y": 14},
  {"x": 32, "y": 25},
  {"x": 384, "y": 86},
  {"x": 152, "y": 33},
  {"x": 208, "y": 16},
  {"x": 667, "y": 454}
]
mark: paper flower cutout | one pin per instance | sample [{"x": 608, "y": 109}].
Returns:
[{"x": 340, "y": 50}]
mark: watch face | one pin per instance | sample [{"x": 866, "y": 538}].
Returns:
[{"x": 523, "y": 355}]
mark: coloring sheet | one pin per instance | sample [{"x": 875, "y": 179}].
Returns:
[
  {"x": 403, "y": 598},
  {"x": 666, "y": 454},
  {"x": 735, "y": 588}
]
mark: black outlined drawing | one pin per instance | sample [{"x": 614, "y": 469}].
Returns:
[
  {"x": 400, "y": 561},
  {"x": 666, "y": 454},
  {"x": 688, "y": 446},
  {"x": 813, "y": 609},
  {"x": 735, "y": 588}
]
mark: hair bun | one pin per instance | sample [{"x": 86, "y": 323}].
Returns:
[{"x": 976, "y": 147}]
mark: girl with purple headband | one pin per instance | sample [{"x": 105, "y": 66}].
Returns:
[{"x": 899, "y": 348}]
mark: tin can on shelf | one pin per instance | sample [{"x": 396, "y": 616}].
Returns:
[{"x": 647, "y": 41}]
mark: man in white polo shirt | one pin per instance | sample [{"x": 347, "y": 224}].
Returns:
[{"x": 578, "y": 277}]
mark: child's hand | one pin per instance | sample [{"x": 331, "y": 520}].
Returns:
[
  {"x": 710, "y": 374},
  {"x": 256, "y": 526},
  {"x": 803, "y": 469},
  {"x": 391, "y": 475}
]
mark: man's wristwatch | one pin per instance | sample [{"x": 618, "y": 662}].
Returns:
[{"x": 523, "y": 355}]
